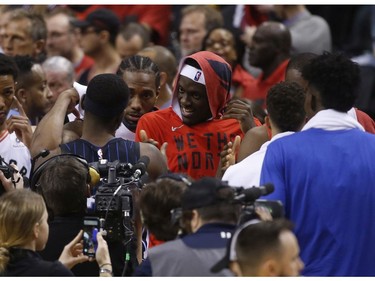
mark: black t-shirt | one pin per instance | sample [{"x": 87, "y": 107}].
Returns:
[{"x": 29, "y": 263}]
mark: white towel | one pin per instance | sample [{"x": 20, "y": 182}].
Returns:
[{"x": 332, "y": 120}]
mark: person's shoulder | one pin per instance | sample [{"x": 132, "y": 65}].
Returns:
[{"x": 172, "y": 245}]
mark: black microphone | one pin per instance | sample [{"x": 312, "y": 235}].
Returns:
[
  {"x": 253, "y": 193},
  {"x": 141, "y": 166}
]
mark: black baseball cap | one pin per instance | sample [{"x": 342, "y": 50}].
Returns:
[
  {"x": 102, "y": 19},
  {"x": 202, "y": 193}
]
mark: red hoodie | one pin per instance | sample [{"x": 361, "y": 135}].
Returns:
[{"x": 195, "y": 150}]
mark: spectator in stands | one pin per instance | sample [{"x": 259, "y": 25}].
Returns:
[
  {"x": 270, "y": 51},
  {"x": 167, "y": 64},
  {"x": 196, "y": 21},
  {"x": 310, "y": 33},
  {"x": 132, "y": 38},
  {"x": 228, "y": 45},
  {"x": 25, "y": 34},
  {"x": 63, "y": 39},
  {"x": 98, "y": 35}
]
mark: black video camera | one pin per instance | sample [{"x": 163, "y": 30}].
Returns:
[
  {"x": 8, "y": 172},
  {"x": 248, "y": 197},
  {"x": 114, "y": 198}
]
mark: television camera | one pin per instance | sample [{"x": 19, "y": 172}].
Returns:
[
  {"x": 116, "y": 205},
  {"x": 248, "y": 197}
]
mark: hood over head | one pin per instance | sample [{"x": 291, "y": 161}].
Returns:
[{"x": 218, "y": 77}]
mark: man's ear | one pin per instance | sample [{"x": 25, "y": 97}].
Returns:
[
  {"x": 104, "y": 36},
  {"x": 195, "y": 222},
  {"x": 163, "y": 78},
  {"x": 269, "y": 267},
  {"x": 21, "y": 95},
  {"x": 39, "y": 46},
  {"x": 267, "y": 121},
  {"x": 235, "y": 268}
]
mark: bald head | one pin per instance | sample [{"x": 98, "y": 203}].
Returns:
[
  {"x": 270, "y": 44},
  {"x": 278, "y": 33},
  {"x": 164, "y": 58}
]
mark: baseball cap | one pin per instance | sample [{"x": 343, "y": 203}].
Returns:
[
  {"x": 202, "y": 193},
  {"x": 102, "y": 19},
  {"x": 230, "y": 254}
]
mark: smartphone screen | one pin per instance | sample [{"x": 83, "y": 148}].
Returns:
[{"x": 90, "y": 229}]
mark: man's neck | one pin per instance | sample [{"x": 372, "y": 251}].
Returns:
[
  {"x": 96, "y": 134},
  {"x": 270, "y": 68}
]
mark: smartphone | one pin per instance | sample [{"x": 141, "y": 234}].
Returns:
[{"x": 90, "y": 230}]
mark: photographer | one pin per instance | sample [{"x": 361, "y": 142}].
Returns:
[
  {"x": 209, "y": 216},
  {"x": 24, "y": 230},
  {"x": 63, "y": 182}
]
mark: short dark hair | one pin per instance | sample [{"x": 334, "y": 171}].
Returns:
[
  {"x": 285, "y": 105},
  {"x": 156, "y": 202},
  {"x": 106, "y": 97},
  {"x": 8, "y": 66},
  {"x": 336, "y": 78},
  {"x": 138, "y": 63},
  {"x": 258, "y": 239},
  {"x": 63, "y": 185},
  {"x": 24, "y": 64}
]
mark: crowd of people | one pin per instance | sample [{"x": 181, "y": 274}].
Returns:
[{"x": 168, "y": 139}]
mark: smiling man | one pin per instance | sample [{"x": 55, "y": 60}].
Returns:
[{"x": 193, "y": 126}]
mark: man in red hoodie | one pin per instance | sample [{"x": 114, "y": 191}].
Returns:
[{"x": 195, "y": 127}]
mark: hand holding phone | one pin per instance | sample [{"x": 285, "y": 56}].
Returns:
[{"x": 90, "y": 230}]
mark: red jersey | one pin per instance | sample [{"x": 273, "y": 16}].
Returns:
[
  {"x": 85, "y": 63},
  {"x": 194, "y": 150},
  {"x": 365, "y": 120},
  {"x": 240, "y": 77}
]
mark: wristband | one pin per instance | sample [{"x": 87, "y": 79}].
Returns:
[{"x": 105, "y": 270}]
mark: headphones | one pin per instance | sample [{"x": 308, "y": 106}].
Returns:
[{"x": 92, "y": 176}]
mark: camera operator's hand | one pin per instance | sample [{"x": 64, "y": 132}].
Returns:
[
  {"x": 20, "y": 124},
  {"x": 16, "y": 182},
  {"x": 263, "y": 213},
  {"x": 73, "y": 252}
]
